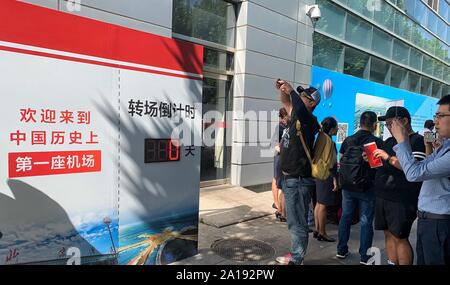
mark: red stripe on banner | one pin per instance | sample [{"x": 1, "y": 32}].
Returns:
[
  {"x": 76, "y": 59},
  {"x": 26, "y": 164},
  {"x": 32, "y": 25}
]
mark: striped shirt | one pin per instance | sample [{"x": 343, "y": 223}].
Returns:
[{"x": 434, "y": 171}]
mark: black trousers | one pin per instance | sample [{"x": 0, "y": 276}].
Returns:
[{"x": 433, "y": 242}]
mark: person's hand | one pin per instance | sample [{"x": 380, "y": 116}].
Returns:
[
  {"x": 335, "y": 185},
  {"x": 398, "y": 131},
  {"x": 380, "y": 153},
  {"x": 278, "y": 83},
  {"x": 437, "y": 143},
  {"x": 285, "y": 87},
  {"x": 277, "y": 148}
]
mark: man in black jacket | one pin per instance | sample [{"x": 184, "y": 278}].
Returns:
[
  {"x": 296, "y": 168},
  {"x": 363, "y": 198},
  {"x": 396, "y": 202}
]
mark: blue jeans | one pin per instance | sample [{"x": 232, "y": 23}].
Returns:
[
  {"x": 365, "y": 201},
  {"x": 297, "y": 198}
]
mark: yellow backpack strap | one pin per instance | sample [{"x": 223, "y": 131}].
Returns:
[{"x": 298, "y": 126}]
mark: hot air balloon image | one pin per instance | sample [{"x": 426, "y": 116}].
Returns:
[{"x": 327, "y": 88}]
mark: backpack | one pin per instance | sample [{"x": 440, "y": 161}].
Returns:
[
  {"x": 324, "y": 154},
  {"x": 353, "y": 170}
]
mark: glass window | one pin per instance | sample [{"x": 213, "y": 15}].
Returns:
[
  {"x": 211, "y": 20},
  {"x": 432, "y": 22},
  {"x": 216, "y": 159},
  {"x": 379, "y": 70},
  {"x": 358, "y": 32},
  {"x": 425, "y": 87},
  {"x": 382, "y": 43},
  {"x": 402, "y": 26},
  {"x": 443, "y": 9},
  {"x": 445, "y": 90},
  {"x": 415, "y": 59},
  {"x": 442, "y": 30},
  {"x": 438, "y": 70},
  {"x": 400, "y": 52},
  {"x": 420, "y": 12},
  {"x": 447, "y": 74},
  {"x": 414, "y": 82},
  {"x": 398, "y": 77},
  {"x": 448, "y": 34},
  {"x": 447, "y": 58},
  {"x": 427, "y": 66},
  {"x": 428, "y": 41},
  {"x": 401, "y": 4},
  {"x": 416, "y": 35},
  {"x": 409, "y": 7},
  {"x": 440, "y": 50},
  {"x": 360, "y": 6},
  {"x": 333, "y": 19},
  {"x": 341, "y": 1},
  {"x": 327, "y": 53},
  {"x": 385, "y": 16},
  {"x": 356, "y": 63},
  {"x": 218, "y": 60},
  {"x": 436, "y": 89},
  {"x": 433, "y": 4}
]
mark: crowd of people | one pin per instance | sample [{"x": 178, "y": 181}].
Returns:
[{"x": 411, "y": 181}]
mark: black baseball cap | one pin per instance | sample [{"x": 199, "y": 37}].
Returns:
[
  {"x": 395, "y": 112},
  {"x": 311, "y": 92}
]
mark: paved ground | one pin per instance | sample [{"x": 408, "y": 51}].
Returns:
[{"x": 235, "y": 212}]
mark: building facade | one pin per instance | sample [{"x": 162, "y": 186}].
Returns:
[
  {"x": 249, "y": 44},
  {"x": 399, "y": 43}
]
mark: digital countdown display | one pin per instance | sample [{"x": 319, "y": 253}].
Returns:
[{"x": 162, "y": 150}]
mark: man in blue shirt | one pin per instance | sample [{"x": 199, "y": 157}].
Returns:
[{"x": 433, "y": 228}]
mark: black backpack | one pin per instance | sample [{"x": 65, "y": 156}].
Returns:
[{"x": 354, "y": 171}]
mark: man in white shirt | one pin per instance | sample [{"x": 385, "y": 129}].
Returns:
[{"x": 428, "y": 127}]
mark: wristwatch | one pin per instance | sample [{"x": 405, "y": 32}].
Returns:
[{"x": 389, "y": 159}]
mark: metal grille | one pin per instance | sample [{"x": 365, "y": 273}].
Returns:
[{"x": 242, "y": 249}]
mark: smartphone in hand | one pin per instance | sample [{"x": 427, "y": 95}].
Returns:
[{"x": 429, "y": 137}]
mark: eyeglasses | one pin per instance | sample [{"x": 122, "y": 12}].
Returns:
[{"x": 439, "y": 116}]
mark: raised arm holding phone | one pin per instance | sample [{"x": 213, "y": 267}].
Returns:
[{"x": 433, "y": 227}]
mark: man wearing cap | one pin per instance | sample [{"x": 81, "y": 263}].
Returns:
[
  {"x": 298, "y": 183},
  {"x": 396, "y": 198},
  {"x": 433, "y": 226}
]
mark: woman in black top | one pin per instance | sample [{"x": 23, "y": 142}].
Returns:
[
  {"x": 278, "y": 197},
  {"x": 326, "y": 190}
]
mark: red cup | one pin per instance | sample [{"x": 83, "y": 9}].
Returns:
[{"x": 369, "y": 150}]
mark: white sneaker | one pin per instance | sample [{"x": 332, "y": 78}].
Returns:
[{"x": 284, "y": 259}]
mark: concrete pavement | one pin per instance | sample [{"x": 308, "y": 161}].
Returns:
[{"x": 235, "y": 212}]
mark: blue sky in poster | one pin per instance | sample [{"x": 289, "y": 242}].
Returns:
[{"x": 342, "y": 103}]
